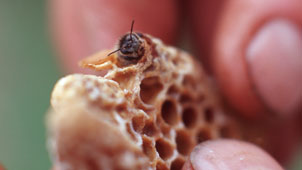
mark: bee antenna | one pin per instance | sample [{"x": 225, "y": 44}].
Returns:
[
  {"x": 131, "y": 29},
  {"x": 113, "y": 52}
]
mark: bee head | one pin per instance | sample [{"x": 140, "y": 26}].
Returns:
[{"x": 130, "y": 47}]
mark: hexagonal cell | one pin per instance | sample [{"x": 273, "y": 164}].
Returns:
[
  {"x": 183, "y": 142},
  {"x": 203, "y": 135},
  {"x": 164, "y": 128},
  {"x": 122, "y": 108},
  {"x": 161, "y": 166},
  {"x": 173, "y": 90},
  {"x": 149, "y": 89},
  {"x": 164, "y": 148},
  {"x": 189, "y": 117},
  {"x": 209, "y": 114},
  {"x": 186, "y": 98},
  {"x": 148, "y": 148},
  {"x": 177, "y": 164},
  {"x": 150, "y": 129},
  {"x": 169, "y": 112},
  {"x": 189, "y": 82}
]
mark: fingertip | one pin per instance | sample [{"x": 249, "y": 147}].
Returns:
[
  {"x": 253, "y": 90},
  {"x": 274, "y": 64},
  {"x": 230, "y": 154}
]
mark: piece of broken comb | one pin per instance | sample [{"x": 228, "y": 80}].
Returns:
[{"x": 149, "y": 110}]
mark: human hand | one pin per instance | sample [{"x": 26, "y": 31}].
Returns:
[{"x": 228, "y": 35}]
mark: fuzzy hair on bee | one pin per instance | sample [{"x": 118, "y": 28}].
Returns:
[{"x": 131, "y": 47}]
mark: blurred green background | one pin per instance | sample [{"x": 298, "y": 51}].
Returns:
[
  {"x": 27, "y": 74},
  {"x": 28, "y": 71}
]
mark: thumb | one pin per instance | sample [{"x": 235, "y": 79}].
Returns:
[
  {"x": 254, "y": 49},
  {"x": 227, "y": 154}
]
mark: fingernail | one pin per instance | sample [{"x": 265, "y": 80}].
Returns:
[
  {"x": 274, "y": 60},
  {"x": 231, "y": 155}
]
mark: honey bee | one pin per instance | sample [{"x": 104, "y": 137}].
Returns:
[{"x": 131, "y": 47}]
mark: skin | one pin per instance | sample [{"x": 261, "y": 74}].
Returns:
[{"x": 251, "y": 47}]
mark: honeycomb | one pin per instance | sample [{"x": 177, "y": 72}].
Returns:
[{"x": 151, "y": 107}]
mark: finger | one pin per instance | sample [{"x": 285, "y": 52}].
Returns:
[
  {"x": 229, "y": 155},
  {"x": 82, "y": 27},
  {"x": 257, "y": 55}
]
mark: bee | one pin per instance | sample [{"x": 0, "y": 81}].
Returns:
[{"x": 131, "y": 47}]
